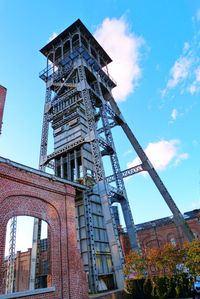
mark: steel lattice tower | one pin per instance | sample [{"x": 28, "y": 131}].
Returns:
[{"x": 80, "y": 107}]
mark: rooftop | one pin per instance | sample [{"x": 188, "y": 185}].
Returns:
[{"x": 166, "y": 220}]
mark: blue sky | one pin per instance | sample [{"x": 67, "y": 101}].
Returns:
[{"x": 155, "y": 50}]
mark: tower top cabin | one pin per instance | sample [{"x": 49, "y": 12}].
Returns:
[
  {"x": 74, "y": 41},
  {"x": 72, "y": 38}
]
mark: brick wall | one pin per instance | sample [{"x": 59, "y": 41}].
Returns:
[
  {"x": 157, "y": 232},
  {"x": 22, "y": 270},
  {"x": 25, "y": 193}
]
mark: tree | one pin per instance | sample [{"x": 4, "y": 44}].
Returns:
[
  {"x": 135, "y": 265},
  {"x": 170, "y": 257},
  {"x": 192, "y": 257},
  {"x": 163, "y": 271}
]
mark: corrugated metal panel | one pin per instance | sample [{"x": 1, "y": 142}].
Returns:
[{"x": 3, "y": 91}]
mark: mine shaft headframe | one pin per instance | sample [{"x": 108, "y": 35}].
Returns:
[{"x": 147, "y": 166}]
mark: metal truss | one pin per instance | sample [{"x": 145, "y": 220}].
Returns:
[
  {"x": 105, "y": 112},
  {"x": 90, "y": 114},
  {"x": 45, "y": 130},
  {"x": 90, "y": 231},
  {"x": 100, "y": 173},
  {"x": 126, "y": 173},
  {"x": 11, "y": 257}
]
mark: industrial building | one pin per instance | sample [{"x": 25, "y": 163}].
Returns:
[
  {"x": 155, "y": 233},
  {"x": 151, "y": 234},
  {"x": 81, "y": 110}
]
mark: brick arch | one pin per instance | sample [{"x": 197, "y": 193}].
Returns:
[
  {"x": 25, "y": 199},
  {"x": 151, "y": 241},
  {"x": 23, "y": 206}
]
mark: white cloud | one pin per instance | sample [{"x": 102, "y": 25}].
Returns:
[
  {"x": 186, "y": 46},
  {"x": 53, "y": 35},
  {"x": 161, "y": 154},
  {"x": 179, "y": 72},
  {"x": 194, "y": 87},
  {"x": 185, "y": 72},
  {"x": 123, "y": 47},
  {"x": 197, "y": 74},
  {"x": 183, "y": 156},
  {"x": 174, "y": 114}
]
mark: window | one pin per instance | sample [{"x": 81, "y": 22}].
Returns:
[
  {"x": 45, "y": 267},
  {"x": 173, "y": 241},
  {"x": 43, "y": 245}
]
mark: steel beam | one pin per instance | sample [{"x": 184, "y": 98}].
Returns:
[{"x": 178, "y": 217}]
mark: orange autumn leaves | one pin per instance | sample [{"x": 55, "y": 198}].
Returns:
[{"x": 164, "y": 261}]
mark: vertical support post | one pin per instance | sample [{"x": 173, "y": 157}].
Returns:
[
  {"x": 34, "y": 253},
  {"x": 117, "y": 256},
  {"x": 61, "y": 167},
  {"x": 69, "y": 174},
  {"x": 75, "y": 165},
  {"x": 100, "y": 180},
  {"x": 134, "y": 243}
]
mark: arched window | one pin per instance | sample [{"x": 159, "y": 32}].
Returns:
[
  {"x": 84, "y": 42},
  {"x": 20, "y": 256},
  {"x": 58, "y": 54},
  {"x": 50, "y": 57},
  {"x": 93, "y": 52},
  {"x": 172, "y": 239},
  {"x": 66, "y": 48},
  {"x": 75, "y": 41}
]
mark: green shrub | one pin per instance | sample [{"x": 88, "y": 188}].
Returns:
[
  {"x": 136, "y": 288},
  {"x": 159, "y": 287},
  {"x": 147, "y": 287}
]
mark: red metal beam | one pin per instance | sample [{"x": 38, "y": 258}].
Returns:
[{"x": 3, "y": 91}]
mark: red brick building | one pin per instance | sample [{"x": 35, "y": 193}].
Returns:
[
  {"x": 157, "y": 232},
  {"x": 22, "y": 270},
  {"x": 150, "y": 234},
  {"x": 28, "y": 192},
  {"x": 22, "y": 267}
]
